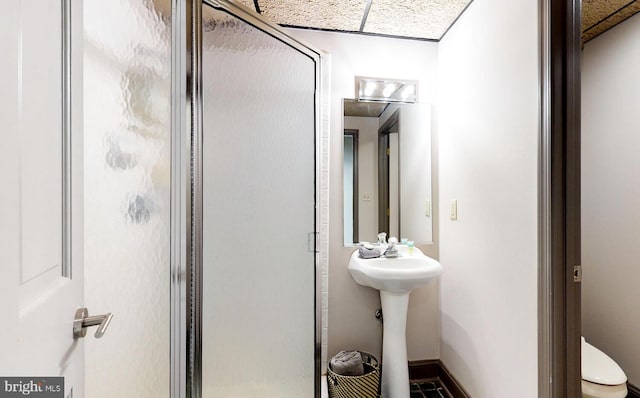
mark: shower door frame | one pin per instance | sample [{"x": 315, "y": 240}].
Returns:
[{"x": 187, "y": 189}]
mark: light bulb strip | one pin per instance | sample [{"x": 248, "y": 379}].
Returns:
[{"x": 386, "y": 90}]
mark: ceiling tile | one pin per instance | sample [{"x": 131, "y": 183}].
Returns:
[
  {"x": 249, "y": 4},
  {"x": 608, "y": 21},
  {"x": 427, "y": 19},
  {"x": 594, "y": 11},
  {"x": 330, "y": 14}
]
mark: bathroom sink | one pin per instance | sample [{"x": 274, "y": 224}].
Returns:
[
  {"x": 395, "y": 278},
  {"x": 397, "y": 274}
]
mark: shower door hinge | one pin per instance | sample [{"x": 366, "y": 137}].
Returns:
[
  {"x": 577, "y": 273},
  {"x": 313, "y": 242}
]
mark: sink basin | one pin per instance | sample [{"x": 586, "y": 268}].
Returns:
[
  {"x": 395, "y": 278},
  {"x": 398, "y": 274}
]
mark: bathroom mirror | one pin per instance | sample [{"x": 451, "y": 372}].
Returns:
[{"x": 386, "y": 171}]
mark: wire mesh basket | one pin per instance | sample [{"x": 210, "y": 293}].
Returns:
[{"x": 364, "y": 386}]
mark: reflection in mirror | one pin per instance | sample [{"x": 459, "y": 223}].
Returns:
[
  {"x": 350, "y": 186},
  {"x": 387, "y": 171}
]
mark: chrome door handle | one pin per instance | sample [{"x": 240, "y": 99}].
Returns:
[{"x": 82, "y": 321}]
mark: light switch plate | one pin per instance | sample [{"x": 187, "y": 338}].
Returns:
[{"x": 454, "y": 209}]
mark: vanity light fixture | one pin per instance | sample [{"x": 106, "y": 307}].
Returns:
[
  {"x": 407, "y": 92},
  {"x": 369, "y": 89},
  {"x": 386, "y": 90},
  {"x": 389, "y": 89}
]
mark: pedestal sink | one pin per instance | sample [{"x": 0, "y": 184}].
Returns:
[{"x": 395, "y": 278}]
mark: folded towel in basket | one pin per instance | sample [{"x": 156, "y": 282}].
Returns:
[{"x": 347, "y": 363}]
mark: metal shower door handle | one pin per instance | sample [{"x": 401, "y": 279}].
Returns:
[{"x": 82, "y": 321}]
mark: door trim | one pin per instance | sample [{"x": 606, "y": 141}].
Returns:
[
  {"x": 384, "y": 194},
  {"x": 355, "y": 222},
  {"x": 559, "y": 313},
  {"x": 194, "y": 246}
]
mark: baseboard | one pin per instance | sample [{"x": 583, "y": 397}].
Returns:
[
  {"x": 634, "y": 392},
  {"x": 435, "y": 369},
  {"x": 424, "y": 369}
]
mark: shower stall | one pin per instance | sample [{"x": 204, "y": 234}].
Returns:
[
  {"x": 162, "y": 189},
  {"x": 250, "y": 204},
  {"x": 201, "y": 201},
  {"x": 254, "y": 196}
]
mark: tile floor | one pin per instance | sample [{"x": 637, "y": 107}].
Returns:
[
  {"x": 419, "y": 389},
  {"x": 428, "y": 389}
]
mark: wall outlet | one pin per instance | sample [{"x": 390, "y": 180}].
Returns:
[{"x": 366, "y": 197}]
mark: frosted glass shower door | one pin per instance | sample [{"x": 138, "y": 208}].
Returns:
[
  {"x": 258, "y": 211},
  {"x": 127, "y": 191}
]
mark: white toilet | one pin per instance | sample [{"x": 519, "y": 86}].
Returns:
[{"x": 601, "y": 375}]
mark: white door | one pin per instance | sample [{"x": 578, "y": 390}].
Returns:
[{"x": 39, "y": 290}]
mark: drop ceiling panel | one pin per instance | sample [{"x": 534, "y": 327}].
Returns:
[
  {"x": 426, "y": 19},
  {"x": 249, "y": 4},
  {"x": 594, "y": 11},
  {"x": 343, "y": 15},
  {"x": 598, "y": 16}
]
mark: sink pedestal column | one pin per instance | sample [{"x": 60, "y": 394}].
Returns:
[{"x": 395, "y": 368}]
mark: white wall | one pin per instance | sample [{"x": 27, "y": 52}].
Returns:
[
  {"x": 488, "y": 130},
  {"x": 611, "y": 194},
  {"x": 351, "y": 307}
]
